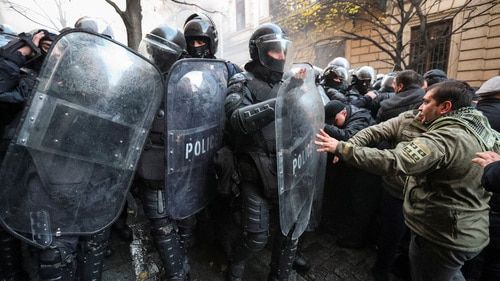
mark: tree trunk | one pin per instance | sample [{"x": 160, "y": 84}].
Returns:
[
  {"x": 133, "y": 23},
  {"x": 132, "y": 18}
]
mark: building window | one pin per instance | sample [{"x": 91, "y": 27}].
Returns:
[
  {"x": 422, "y": 60},
  {"x": 240, "y": 14},
  {"x": 326, "y": 52}
]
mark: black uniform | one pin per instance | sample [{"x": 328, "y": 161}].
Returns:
[
  {"x": 254, "y": 143},
  {"x": 15, "y": 86},
  {"x": 58, "y": 261},
  {"x": 410, "y": 98},
  {"x": 355, "y": 192}
]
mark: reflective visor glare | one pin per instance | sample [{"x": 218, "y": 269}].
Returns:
[{"x": 277, "y": 45}]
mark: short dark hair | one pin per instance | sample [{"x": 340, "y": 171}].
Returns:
[
  {"x": 459, "y": 93},
  {"x": 409, "y": 78}
]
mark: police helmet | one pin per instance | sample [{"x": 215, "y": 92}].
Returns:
[
  {"x": 95, "y": 25},
  {"x": 201, "y": 27},
  {"x": 269, "y": 39},
  {"x": 163, "y": 46},
  {"x": 340, "y": 61}
]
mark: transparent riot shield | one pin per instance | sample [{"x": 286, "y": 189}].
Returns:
[
  {"x": 317, "y": 207},
  {"x": 69, "y": 167},
  {"x": 196, "y": 91},
  {"x": 299, "y": 116}
]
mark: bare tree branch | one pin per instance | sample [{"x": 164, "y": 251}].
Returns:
[
  {"x": 471, "y": 17},
  {"x": 377, "y": 44},
  {"x": 117, "y": 9},
  {"x": 47, "y": 16},
  {"x": 195, "y": 5},
  {"x": 13, "y": 7}
]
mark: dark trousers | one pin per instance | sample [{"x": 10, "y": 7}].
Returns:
[
  {"x": 486, "y": 266},
  {"x": 432, "y": 262},
  {"x": 392, "y": 231}
]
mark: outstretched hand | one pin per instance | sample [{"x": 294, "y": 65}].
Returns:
[
  {"x": 325, "y": 143},
  {"x": 485, "y": 158},
  {"x": 300, "y": 73}
]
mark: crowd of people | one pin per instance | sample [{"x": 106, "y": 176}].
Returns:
[{"x": 415, "y": 155}]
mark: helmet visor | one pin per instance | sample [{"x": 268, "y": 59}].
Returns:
[
  {"x": 159, "y": 51},
  {"x": 274, "y": 51}
]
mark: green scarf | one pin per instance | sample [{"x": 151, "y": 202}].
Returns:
[{"x": 475, "y": 122}]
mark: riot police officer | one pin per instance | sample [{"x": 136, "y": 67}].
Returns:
[
  {"x": 19, "y": 64},
  {"x": 202, "y": 39},
  {"x": 334, "y": 80},
  {"x": 163, "y": 46},
  {"x": 362, "y": 80},
  {"x": 340, "y": 62},
  {"x": 95, "y": 25},
  {"x": 60, "y": 256},
  {"x": 250, "y": 110}
]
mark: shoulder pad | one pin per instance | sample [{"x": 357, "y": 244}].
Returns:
[{"x": 241, "y": 77}]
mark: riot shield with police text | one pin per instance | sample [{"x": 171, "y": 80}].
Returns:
[
  {"x": 299, "y": 116},
  {"x": 194, "y": 106},
  {"x": 68, "y": 169}
]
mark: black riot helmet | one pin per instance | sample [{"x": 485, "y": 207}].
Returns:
[
  {"x": 200, "y": 27},
  {"x": 340, "y": 61},
  {"x": 334, "y": 76},
  {"x": 269, "y": 46},
  {"x": 95, "y": 25},
  {"x": 365, "y": 73},
  {"x": 163, "y": 46},
  {"x": 387, "y": 83}
]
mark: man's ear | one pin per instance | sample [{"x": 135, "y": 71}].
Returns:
[
  {"x": 445, "y": 107},
  {"x": 344, "y": 112}
]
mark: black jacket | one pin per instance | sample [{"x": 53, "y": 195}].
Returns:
[
  {"x": 373, "y": 104},
  {"x": 491, "y": 182},
  {"x": 401, "y": 102},
  {"x": 491, "y": 109},
  {"x": 356, "y": 120},
  {"x": 15, "y": 87}
]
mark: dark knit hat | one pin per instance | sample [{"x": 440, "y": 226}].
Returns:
[
  {"x": 332, "y": 108},
  {"x": 434, "y": 76}
]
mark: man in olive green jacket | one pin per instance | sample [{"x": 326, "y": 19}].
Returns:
[{"x": 445, "y": 206}]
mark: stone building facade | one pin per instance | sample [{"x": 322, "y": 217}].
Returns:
[{"x": 471, "y": 54}]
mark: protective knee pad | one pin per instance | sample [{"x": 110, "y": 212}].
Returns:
[
  {"x": 90, "y": 257},
  {"x": 255, "y": 213},
  {"x": 169, "y": 246},
  {"x": 56, "y": 264},
  {"x": 186, "y": 231},
  {"x": 255, "y": 242}
]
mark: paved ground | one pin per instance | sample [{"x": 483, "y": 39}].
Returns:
[{"x": 328, "y": 260}]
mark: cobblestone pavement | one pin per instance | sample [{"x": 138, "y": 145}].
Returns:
[{"x": 329, "y": 262}]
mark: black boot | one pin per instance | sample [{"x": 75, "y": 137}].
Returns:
[
  {"x": 283, "y": 255},
  {"x": 235, "y": 272},
  {"x": 172, "y": 253},
  {"x": 90, "y": 257},
  {"x": 300, "y": 263},
  {"x": 56, "y": 264},
  {"x": 121, "y": 228}
]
